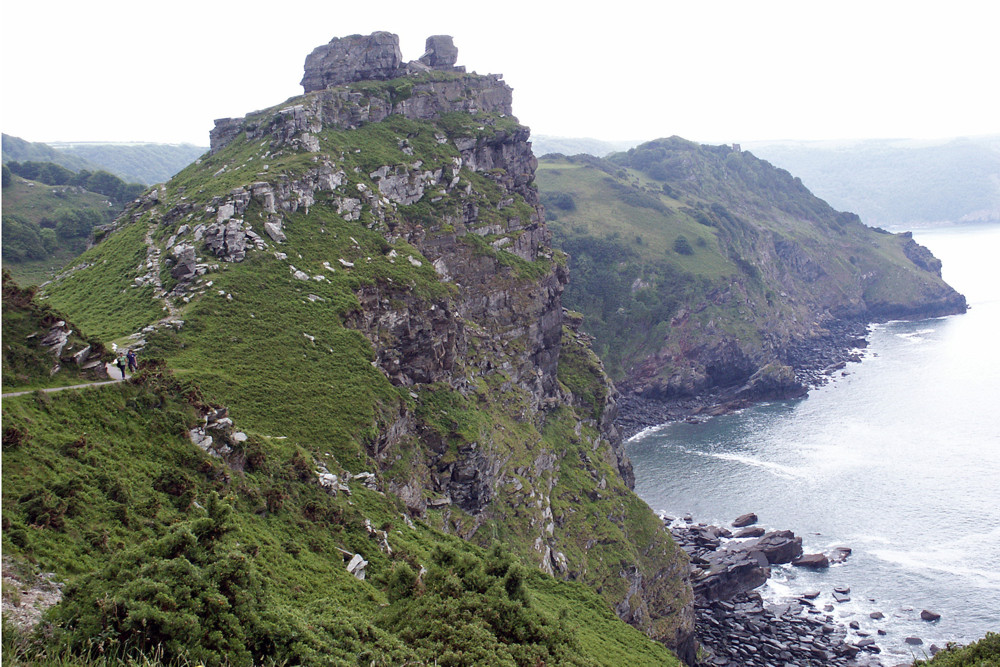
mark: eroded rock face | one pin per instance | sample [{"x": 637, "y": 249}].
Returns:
[
  {"x": 440, "y": 52},
  {"x": 354, "y": 58}
]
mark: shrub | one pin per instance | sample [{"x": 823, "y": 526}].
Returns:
[{"x": 682, "y": 246}]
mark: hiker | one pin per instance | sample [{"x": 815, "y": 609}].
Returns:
[
  {"x": 121, "y": 362},
  {"x": 133, "y": 363}
]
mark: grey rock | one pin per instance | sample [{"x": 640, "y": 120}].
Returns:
[
  {"x": 439, "y": 52},
  {"x": 274, "y": 231},
  {"x": 745, "y": 520},
  {"x": 929, "y": 616},
  {"x": 354, "y": 58},
  {"x": 184, "y": 262}
]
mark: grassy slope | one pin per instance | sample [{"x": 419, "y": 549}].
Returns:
[
  {"x": 104, "y": 470},
  {"x": 36, "y": 202},
  {"x": 620, "y": 226},
  {"x": 303, "y": 387}
]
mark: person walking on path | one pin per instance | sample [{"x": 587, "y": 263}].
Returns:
[
  {"x": 122, "y": 363},
  {"x": 133, "y": 363}
]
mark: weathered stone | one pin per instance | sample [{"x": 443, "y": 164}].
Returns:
[
  {"x": 745, "y": 520},
  {"x": 184, "y": 262},
  {"x": 354, "y": 58},
  {"x": 929, "y": 616},
  {"x": 812, "y": 560},
  {"x": 274, "y": 231},
  {"x": 439, "y": 52},
  {"x": 357, "y": 566}
]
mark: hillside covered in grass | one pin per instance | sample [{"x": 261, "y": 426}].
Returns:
[
  {"x": 364, "y": 430},
  {"x": 702, "y": 267}
]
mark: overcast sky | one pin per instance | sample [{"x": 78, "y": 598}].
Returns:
[{"x": 715, "y": 72}]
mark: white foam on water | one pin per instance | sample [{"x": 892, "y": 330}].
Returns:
[{"x": 941, "y": 560}]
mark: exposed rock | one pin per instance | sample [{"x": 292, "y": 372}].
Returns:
[
  {"x": 440, "y": 52},
  {"x": 227, "y": 241},
  {"x": 354, "y": 58},
  {"x": 817, "y": 561},
  {"x": 779, "y": 546},
  {"x": 745, "y": 520},
  {"x": 356, "y": 566},
  {"x": 929, "y": 616},
  {"x": 185, "y": 262},
  {"x": 752, "y": 531}
]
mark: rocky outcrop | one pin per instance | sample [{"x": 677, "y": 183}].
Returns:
[
  {"x": 330, "y": 68},
  {"x": 440, "y": 52},
  {"x": 355, "y": 58}
]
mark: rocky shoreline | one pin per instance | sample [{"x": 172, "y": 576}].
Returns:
[
  {"x": 815, "y": 361},
  {"x": 736, "y": 626}
]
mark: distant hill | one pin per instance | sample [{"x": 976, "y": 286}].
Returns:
[
  {"x": 699, "y": 268},
  {"x": 898, "y": 183},
  {"x": 543, "y": 144},
  {"x": 16, "y": 149},
  {"x": 145, "y": 163}
]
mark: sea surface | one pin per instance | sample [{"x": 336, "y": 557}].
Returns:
[{"x": 898, "y": 459}]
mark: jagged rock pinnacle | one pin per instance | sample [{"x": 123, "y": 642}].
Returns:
[{"x": 374, "y": 57}]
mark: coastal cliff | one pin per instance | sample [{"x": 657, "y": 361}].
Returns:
[
  {"x": 711, "y": 278},
  {"x": 366, "y": 271}
]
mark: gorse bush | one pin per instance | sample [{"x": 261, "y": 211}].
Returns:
[
  {"x": 467, "y": 610},
  {"x": 191, "y": 593}
]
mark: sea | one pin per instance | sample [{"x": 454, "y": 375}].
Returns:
[{"x": 897, "y": 457}]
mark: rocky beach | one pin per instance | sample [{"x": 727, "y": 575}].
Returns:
[{"x": 738, "y": 625}]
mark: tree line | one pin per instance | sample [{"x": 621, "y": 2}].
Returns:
[{"x": 100, "y": 181}]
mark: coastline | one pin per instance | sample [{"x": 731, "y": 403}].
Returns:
[{"x": 815, "y": 361}]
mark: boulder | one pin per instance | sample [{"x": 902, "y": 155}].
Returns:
[
  {"x": 354, "y": 58},
  {"x": 839, "y": 555},
  {"x": 745, "y": 520},
  {"x": 752, "y": 531},
  {"x": 357, "y": 566},
  {"x": 779, "y": 546},
  {"x": 812, "y": 560},
  {"x": 184, "y": 262},
  {"x": 929, "y": 616},
  {"x": 439, "y": 52}
]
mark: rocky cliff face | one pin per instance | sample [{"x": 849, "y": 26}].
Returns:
[
  {"x": 404, "y": 195},
  {"x": 725, "y": 279}
]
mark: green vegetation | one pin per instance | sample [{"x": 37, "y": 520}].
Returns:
[
  {"x": 983, "y": 653},
  {"x": 679, "y": 251},
  {"x": 145, "y": 163},
  {"x": 26, "y": 364},
  {"x": 50, "y": 213},
  {"x": 173, "y": 554}
]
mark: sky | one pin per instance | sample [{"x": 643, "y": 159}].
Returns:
[{"x": 713, "y": 71}]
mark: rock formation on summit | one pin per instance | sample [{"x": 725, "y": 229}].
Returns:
[{"x": 374, "y": 57}]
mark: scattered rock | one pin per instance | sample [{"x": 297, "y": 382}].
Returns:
[
  {"x": 817, "y": 561},
  {"x": 929, "y": 616},
  {"x": 745, "y": 520},
  {"x": 357, "y": 566}
]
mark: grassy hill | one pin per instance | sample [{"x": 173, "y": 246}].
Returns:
[
  {"x": 696, "y": 266},
  {"x": 376, "y": 307},
  {"x": 134, "y": 162},
  {"x": 46, "y": 226},
  {"x": 140, "y": 162}
]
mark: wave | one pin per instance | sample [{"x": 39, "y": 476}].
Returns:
[
  {"x": 947, "y": 561},
  {"x": 648, "y": 431},
  {"x": 778, "y": 469}
]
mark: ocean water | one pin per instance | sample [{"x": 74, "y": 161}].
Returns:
[{"x": 898, "y": 459}]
